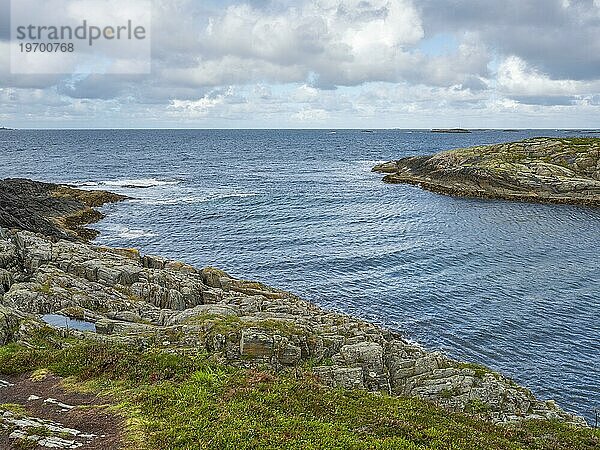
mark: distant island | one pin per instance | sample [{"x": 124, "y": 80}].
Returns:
[
  {"x": 450, "y": 130},
  {"x": 6, "y": 129},
  {"x": 545, "y": 170}
]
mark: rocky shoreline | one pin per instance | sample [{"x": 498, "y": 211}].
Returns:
[
  {"x": 541, "y": 170},
  {"x": 150, "y": 302},
  {"x": 56, "y": 211}
]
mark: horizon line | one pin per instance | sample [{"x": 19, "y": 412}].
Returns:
[{"x": 6, "y": 128}]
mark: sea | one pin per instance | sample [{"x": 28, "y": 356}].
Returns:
[{"x": 513, "y": 286}]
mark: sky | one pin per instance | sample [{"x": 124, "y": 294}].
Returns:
[{"x": 333, "y": 64}]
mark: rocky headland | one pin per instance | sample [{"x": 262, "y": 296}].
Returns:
[
  {"x": 545, "y": 170},
  {"x": 146, "y": 303},
  {"x": 56, "y": 211}
]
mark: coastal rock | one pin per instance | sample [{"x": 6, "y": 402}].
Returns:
[
  {"x": 342, "y": 377},
  {"x": 54, "y": 210},
  {"x": 547, "y": 170},
  {"x": 147, "y": 302},
  {"x": 9, "y": 323},
  {"x": 6, "y": 281},
  {"x": 369, "y": 357},
  {"x": 256, "y": 343},
  {"x": 107, "y": 326},
  {"x": 121, "y": 316},
  {"x": 201, "y": 311},
  {"x": 140, "y": 303},
  {"x": 287, "y": 353},
  {"x": 8, "y": 256}
]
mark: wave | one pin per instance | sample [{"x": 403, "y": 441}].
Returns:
[
  {"x": 192, "y": 199},
  {"x": 135, "y": 234},
  {"x": 124, "y": 232},
  {"x": 135, "y": 183}
]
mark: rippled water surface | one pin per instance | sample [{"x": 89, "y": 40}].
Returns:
[{"x": 514, "y": 286}]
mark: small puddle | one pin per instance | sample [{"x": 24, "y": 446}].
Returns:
[{"x": 58, "y": 321}]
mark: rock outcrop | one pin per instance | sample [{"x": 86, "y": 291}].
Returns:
[
  {"x": 146, "y": 301},
  {"x": 55, "y": 210},
  {"x": 548, "y": 170}
]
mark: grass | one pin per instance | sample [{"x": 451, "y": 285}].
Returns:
[
  {"x": 46, "y": 288},
  {"x": 508, "y": 154},
  {"x": 480, "y": 371},
  {"x": 513, "y": 158},
  {"x": 186, "y": 401},
  {"x": 233, "y": 324},
  {"x": 18, "y": 410}
]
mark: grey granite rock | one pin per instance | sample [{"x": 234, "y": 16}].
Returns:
[
  {"x": 149, "y": 301},
  {"x": 9, "y": 324},
  {"x": 343, "y": 377}
]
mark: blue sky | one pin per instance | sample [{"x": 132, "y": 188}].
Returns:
[{"x": 333, "y": 64}]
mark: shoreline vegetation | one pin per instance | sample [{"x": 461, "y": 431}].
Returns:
[
  {"x": 185, "y": 358},
  {"x": 540, "y": 170}
]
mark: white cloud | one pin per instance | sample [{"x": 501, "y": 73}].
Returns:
[
  {"x": 317, "y": 116},
  {"x": 232, "y": 70},
  {"x": 516, "y": 78},
  {"x": 338, "y": 63},
  {"x": 306, "y": 94},
  {"x": 202, "y": 106},
  {"x": 342, "y": 41}
]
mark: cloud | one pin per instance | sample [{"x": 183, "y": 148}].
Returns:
[
  {"x": 202, "y": 106},
  {"x": 326, "y": 43},
  {"x": 311, "y": 115},
  {"x": 558, "y": 36},
  {"x": 283, "y": 62},
  {"x": 232, "y": 70},
  {"x": 518, "y": 80},
  {"x": 336, "y": 42}
]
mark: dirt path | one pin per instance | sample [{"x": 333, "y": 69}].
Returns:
[{"x": 49, "y": 416}]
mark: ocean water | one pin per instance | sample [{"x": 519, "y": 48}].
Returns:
[{"x": 510, "y": 285}]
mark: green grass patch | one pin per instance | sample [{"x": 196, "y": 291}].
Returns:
[
  {"x": 17, "y": 410},
  {"x": 233, "y": 324},
  {"x": 186, "y": 401},
  {"x": 480, "y": 371}
]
